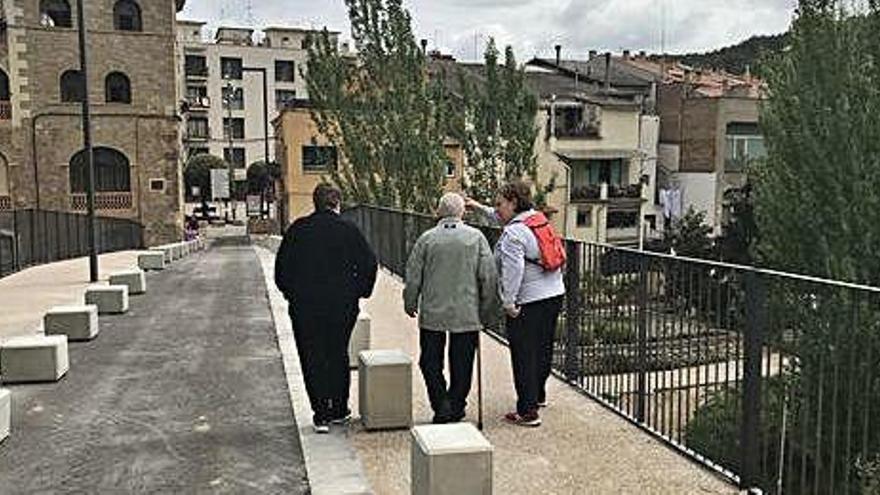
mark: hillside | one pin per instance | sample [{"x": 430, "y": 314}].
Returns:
[{"x": 736, "y": 58}]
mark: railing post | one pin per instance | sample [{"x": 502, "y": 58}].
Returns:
[
  {"x": 755, "y": 327},
  {"x": 571, "y": 365},
  {"x": 642, "y": 346}
]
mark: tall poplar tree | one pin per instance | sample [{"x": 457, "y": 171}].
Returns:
[{"x": 378, "y": 108}]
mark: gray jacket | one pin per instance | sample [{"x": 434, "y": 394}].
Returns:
[
  {"x": 451, "y": 279},
  {"x": 522, "y": 281}
]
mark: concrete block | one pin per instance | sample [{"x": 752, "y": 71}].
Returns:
[
  {"x": 133, "y": 279},
  {"x": 151, "y": 261},
  {"x": 450, "y": 459},
  {"x": 110, "y": 299},
  {"x": 385, "y": 389},
  {"x": 76, "y": 322},
  {"x": 5, "y": 413},
  {"x": 164, "y": 250},
  {"x": 360, "y": 338},
  {"x": 33, "y": 358}
]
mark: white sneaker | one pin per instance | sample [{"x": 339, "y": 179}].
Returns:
[{"x": 322, "y": 428}]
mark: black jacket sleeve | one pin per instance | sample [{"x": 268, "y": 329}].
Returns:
[
  {"x": 364, "y": 262},
  {"x": 284, "y": 265}
]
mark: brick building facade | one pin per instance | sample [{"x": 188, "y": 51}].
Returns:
[{"x": 134, "y": 101}]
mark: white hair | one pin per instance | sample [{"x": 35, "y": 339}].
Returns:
[{"x": 451, "y": 205}]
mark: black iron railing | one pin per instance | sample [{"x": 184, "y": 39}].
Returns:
[
  {"x": 31, "y": 237},
  {"x": 771, "y": 378}
]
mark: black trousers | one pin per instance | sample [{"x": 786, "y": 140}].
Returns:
[
  {"x": 531, "y": 351},
  {"x": 451, "y": 401},
  {"x": 322, "y": 343}
]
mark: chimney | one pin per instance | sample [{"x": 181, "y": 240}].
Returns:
[
  {"x": 558, "y": 49},
  {"x": 593, "y": 54},
  {"x": 607, "y": 70},
  {"x": 424, "y": 46},
  {"x": 626, "y": 54}
]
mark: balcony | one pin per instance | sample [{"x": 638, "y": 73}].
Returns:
[
  {"x": 593, "y": 193},
  {"x": 5, "y": 110},
  {"x": 5, "y": 203},
  {"x": 197, "y": 72},
  {"x": 103, "y": 201},
  {"x": 198, "y": 103}
]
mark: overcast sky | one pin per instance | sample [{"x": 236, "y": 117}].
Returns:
[{"x": 534, "y": 26}]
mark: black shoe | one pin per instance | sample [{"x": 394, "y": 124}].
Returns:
[{"x": 442, "y": 419}]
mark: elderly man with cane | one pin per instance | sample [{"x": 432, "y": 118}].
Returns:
[{"x": 451, "y": 284}]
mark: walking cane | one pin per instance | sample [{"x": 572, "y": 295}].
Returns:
[{"x": 479, "y": 381}]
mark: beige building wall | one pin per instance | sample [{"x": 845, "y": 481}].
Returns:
[{"x": 296, "y": 128}]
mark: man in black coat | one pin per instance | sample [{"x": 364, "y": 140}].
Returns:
[{"x": 324, "y": 267}]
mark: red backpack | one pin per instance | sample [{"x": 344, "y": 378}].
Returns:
[{"x": 549, "y": 243}]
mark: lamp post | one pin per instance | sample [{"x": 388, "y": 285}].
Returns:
[
  {"x": 230, "y": 201},
  {"x": 262, "y": 70},
  {"x": 87, "y": 141}
]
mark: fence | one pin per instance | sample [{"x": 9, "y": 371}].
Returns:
[
  {"x": 771, "y": 378},
  {"x": 31, "y": 237}
]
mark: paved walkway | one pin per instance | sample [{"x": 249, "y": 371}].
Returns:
[
  {"x": 184, "y": 394},
  {"x": 25, "y": 296}
]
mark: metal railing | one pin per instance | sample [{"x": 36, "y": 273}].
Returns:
[
  {"x": 32, "y": 237},
  {"x": 772, "y": 379}
]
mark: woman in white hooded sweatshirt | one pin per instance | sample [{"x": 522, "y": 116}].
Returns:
[{"x": 532, "y": 299}]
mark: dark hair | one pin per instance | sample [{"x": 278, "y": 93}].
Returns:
[
  {"x": 326, "y": 197},
  {"x": 519, "y": 193}
]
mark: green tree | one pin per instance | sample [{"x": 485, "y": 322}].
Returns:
[
  {"x": 690, "y": 235},
  {"x": 816, "y": 195},
  {"x": 197, "y": 173},
  {"x": 498, "y": 129},
  {"x": 378, "y": 109}
]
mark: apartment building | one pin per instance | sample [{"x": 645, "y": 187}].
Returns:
[
  {"x": 133, "y": 97},
  {"x": 222, "y": 88},
  {"x": 600, "y": 150},
  {"x": 709, "y": 129}
]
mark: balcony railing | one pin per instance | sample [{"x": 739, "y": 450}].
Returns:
[
  {"x": 198, "y": 102},
  {"x": 200, "y": 135},
  {"x": 593, "y": 192},
  {"x": 5, "y": 110},
  {"x": 103, "y": 201},
  {"x": 5, "y": 203},
  {"x": 197, "y": 72}
]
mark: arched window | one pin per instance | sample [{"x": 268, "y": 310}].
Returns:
[
  {"x": 4, "y": 176},
  {"x": 4, "y": 86},
  {"x": 112, "y": 172},
  {"x": 127, "y": 16},
  {"x": 72, "y": 87},
  {"x": 55, "y": 13},
  {"x": 117, "y": 88}
]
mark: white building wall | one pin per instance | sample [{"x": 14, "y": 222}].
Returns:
[
  {"x": 698, "y": 191},
  {"x": 279, "y": 44}
]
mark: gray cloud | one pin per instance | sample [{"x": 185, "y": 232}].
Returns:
[{"x": 534, "y": 26}]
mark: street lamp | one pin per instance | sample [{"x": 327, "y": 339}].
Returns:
[
  {"x": 87, "y": 142},
  {"x": 262, "y": 70},
  {"x": 230, "y": 92}
]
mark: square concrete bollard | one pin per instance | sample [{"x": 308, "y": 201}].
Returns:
[
  {"x": 165, "y": 251},
  {"x": 33, "y": 359},
  {"x": 360, "y": 338},
  {"x": 450, "y": 459},
  {"x": 5, "y": 413},
  {"x": 151, "y": 261},
  {"x": 385, "y": 389},
  {"x": 110, "y": 299},
  {"x": 133, "y": 279},
  {"x": 76, "y": 322}
]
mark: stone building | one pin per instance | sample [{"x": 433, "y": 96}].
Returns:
[{"x": 134, "y": 102}]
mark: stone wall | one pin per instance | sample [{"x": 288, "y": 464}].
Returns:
[{"x": 147, "y": 131}]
